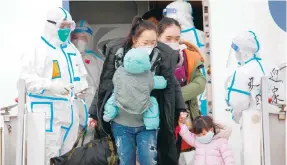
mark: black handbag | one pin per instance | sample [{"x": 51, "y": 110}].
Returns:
[{"x": 97, "y": 152}]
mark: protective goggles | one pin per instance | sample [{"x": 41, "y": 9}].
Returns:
[
  {"x": 234, "y": 47},
  {"x": 64, "y": 24},
  {"x": 83, "y": 30},
  {"x": 234, "y": 57},
  {"x": 169, "y": 11}
]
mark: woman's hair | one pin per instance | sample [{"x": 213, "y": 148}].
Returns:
[
  {"x": 201, "y": 123},
  {"x": 165, "y": 23},
  {"x": 138, "y": 26}
]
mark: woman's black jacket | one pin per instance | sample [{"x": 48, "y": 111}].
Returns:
[{"x": 170, "y": 99}]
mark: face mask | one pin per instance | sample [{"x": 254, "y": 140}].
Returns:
[
  {"x": 206, "y": 138},
  {"x": 174, "y": 45},
  {"x": 64, "y": 34},
  {"x": 81, "y": 45},
  {"x": 149, "y": 49}
]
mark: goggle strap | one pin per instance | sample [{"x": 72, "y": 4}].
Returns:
[{"x": 52, "y": 22}]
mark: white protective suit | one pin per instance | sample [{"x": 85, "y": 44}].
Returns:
[
  {"x": 54, "y": 66},
  {"x": 243, "y": 93},
  {"x": 181, "y": 11},
  {"x": 93, "y": 64}
]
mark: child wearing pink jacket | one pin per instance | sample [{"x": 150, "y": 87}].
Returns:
[{"x": 211, "y": 144}]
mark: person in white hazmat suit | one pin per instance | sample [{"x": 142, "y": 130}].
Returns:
[
  {"x": 55, "y": 75},
  {"x": 82, "y": 38},
  {"x": 181, "y": 11},
  {"x": 243, "y": 93}
]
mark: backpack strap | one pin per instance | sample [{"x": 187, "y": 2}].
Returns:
[
  {"x": 80, "y": 135},
  {"x": 119, "y": 57},
  {"x": 155, "y": 60}
]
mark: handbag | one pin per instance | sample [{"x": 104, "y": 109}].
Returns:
[
  {"x": 180, "y": 75},
  {"x": 96, "y": 152}
]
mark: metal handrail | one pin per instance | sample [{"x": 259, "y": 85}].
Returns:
[
  {"x": 20, "y": 125},
  {"x": 1, "y": 133},
  {"x": 285, "y": 135},
  {"x": 266, "y": 155}
]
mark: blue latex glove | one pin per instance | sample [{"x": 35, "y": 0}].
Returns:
[{"x": 159, "y": 82}]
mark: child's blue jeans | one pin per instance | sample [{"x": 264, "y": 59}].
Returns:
[{"x": 128, "y": 139}]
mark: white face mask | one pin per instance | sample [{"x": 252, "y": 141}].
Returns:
[
  {"x": 81, "y": 45},
  {"x": 206, "y": 138},
  {"x": 149, "y": 49},
  {"x": 174, "y": 45}
]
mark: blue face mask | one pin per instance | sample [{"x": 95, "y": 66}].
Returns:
[{"x": 206, "y": 138}]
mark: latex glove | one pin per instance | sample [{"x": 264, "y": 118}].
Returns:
[
  {"x": 59, "y": 88},
  {"x": 82, "y": 94},
  {"x": 159, "y": 82}
]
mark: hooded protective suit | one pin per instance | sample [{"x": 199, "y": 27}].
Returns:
[
  {"x": 243, "y": 92},
  {"x": 54, "y": 74},
  {"x": 181, "y": 11},
  {"x": 82, "y": 38}
]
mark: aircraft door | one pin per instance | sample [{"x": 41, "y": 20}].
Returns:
[{"x": 274, "y": 129}]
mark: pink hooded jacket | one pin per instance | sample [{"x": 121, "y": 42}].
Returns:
[{"x": 216, "y": 152}]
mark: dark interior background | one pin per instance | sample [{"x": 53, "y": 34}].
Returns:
[{"x": 122, "y": 12}]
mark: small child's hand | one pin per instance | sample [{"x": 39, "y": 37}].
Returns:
[{"x": 182, "y": 118}]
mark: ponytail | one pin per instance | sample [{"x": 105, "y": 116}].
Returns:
[{"x": 135, "y": 23}]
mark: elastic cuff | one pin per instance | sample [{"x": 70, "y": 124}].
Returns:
[
  {"x": 200, "y": 66},
  {"x": 93, "y": 116},
  {"x": 181, "y": 110}
]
